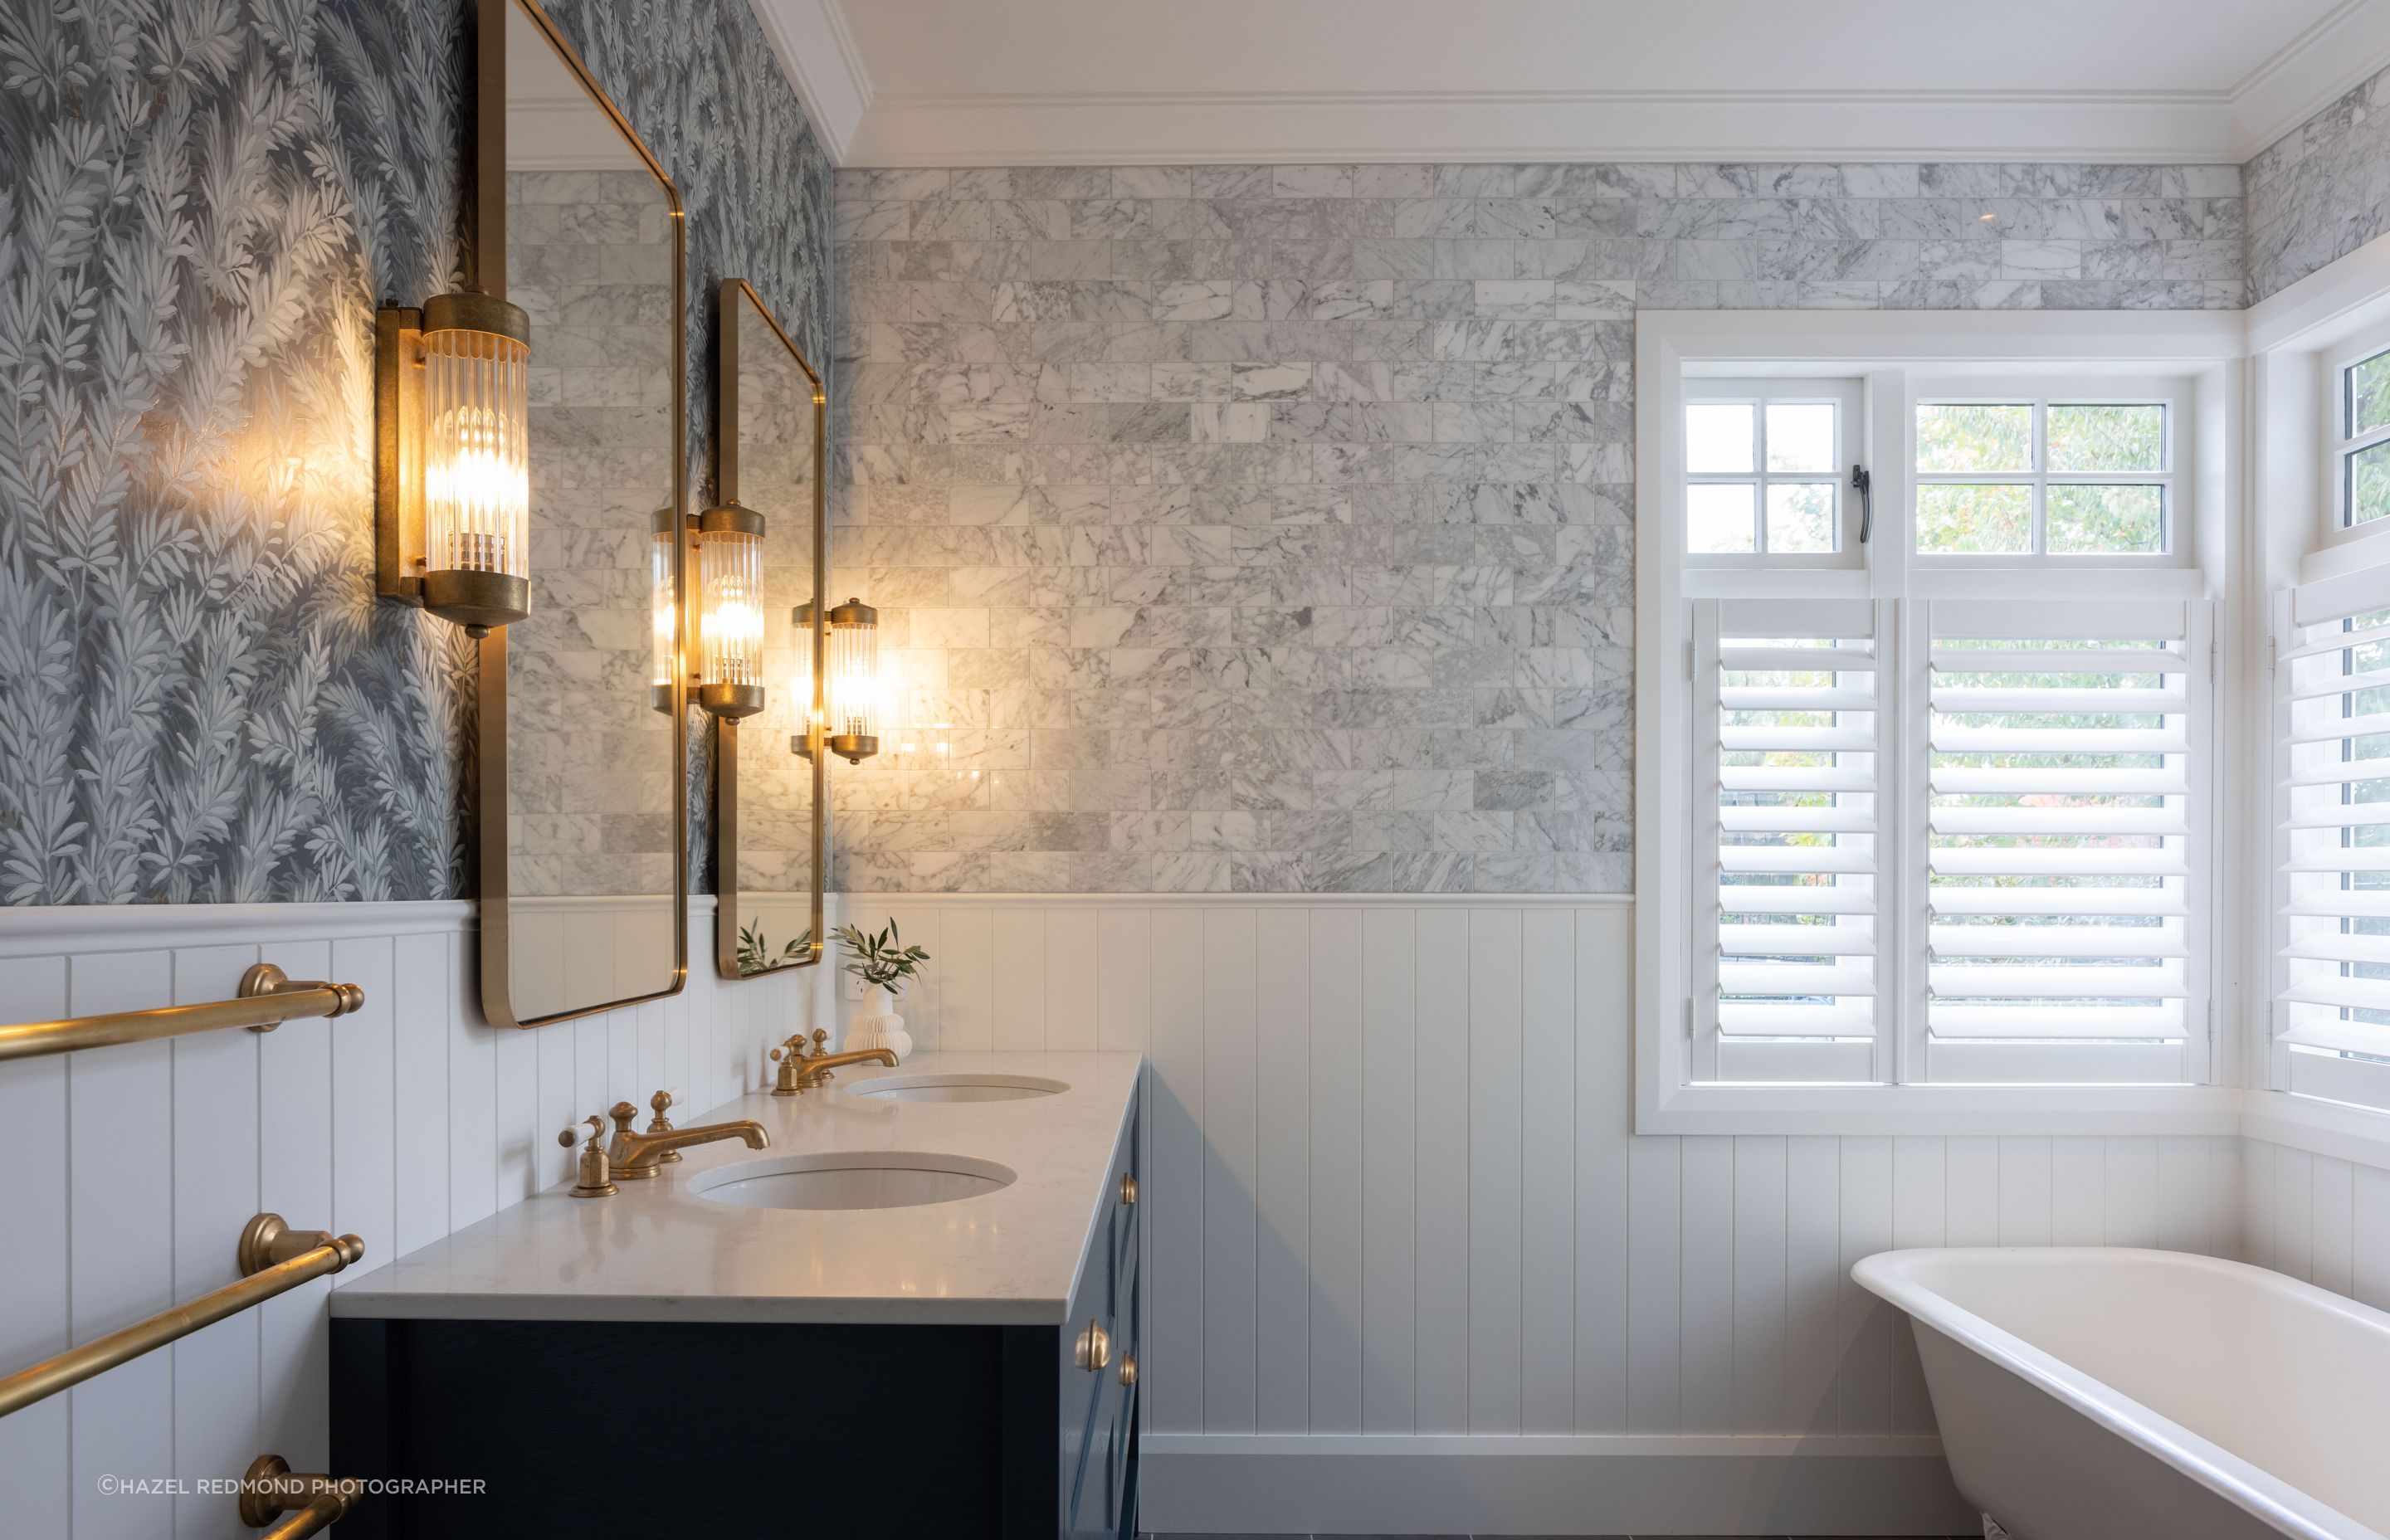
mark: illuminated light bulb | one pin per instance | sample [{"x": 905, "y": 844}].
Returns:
[
  {"x": 476, "y": 394},
  {"x": 854, "y": 692},
  {"x": 663, "y": 662},
  {"x": 730, "y": 616}
]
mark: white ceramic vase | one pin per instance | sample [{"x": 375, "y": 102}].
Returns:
[{"x": 878, "y": 1026}]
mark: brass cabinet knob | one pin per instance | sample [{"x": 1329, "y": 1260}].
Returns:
[
  {"x": 1128, "y": 1189},
  {"x": 1094, "y": 1349},
  {"x": 1128, "y": 1368}
]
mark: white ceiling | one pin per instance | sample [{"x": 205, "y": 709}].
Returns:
[{"x": 893, "y": 82}]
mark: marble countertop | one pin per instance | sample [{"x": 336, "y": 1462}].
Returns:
[{"x": 655, "y": 1251}]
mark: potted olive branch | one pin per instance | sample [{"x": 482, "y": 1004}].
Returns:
[{"x": 885, "y": 965}]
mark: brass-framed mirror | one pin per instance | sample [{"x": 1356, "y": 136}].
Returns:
[
  {"x": 771, "y": 454},
  {"x": 582, "y": 742}
]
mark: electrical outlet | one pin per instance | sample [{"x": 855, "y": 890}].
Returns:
[{"x": 854, "y": 986}]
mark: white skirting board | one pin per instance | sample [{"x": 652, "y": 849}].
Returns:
[{"x": 1590, "y": 1485}]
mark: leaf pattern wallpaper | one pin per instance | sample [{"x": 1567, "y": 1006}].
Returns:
[{"x": 200, "y": 203}]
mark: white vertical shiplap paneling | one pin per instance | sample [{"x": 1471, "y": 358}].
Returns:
[
  {"x": 1230, "y": 1170},
  {"x": 1440, "y": 1180},
  {"x": 1389, "y": 1166},
  {"x": 1174, "y": 1241},
  {"x": 1496, "y": 1043},
  {"x": 1548, "y": 1250},
  {"x": 1599, "y": 1037},
  {"x": 1283, "y": 1174},
  {"x": 33, "y": 1208},
  {"x": 1333, "y": 1276},
  {"x": 400, "y": 1122}
]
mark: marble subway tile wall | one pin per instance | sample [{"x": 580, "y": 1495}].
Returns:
[
  {"x": 1270, "y": 528},
  {"x": 2321, "y": 190}
]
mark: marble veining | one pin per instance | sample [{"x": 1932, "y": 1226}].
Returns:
[
  {"x": 654, "y": 1252},
  {"x": 1270, "y": 528},
  {"x": 2321, "y": 190}
]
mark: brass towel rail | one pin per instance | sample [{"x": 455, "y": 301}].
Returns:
[
  {"x": 270, "y": 1490},
  {"x": 274, "y": 1258},
  {"x": 268, "y": 997}
]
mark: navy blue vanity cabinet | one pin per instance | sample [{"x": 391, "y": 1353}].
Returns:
[{"x": 758, "y": 1429}]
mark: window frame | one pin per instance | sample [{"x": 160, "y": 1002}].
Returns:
[
  {"x": 1891, "y": 352},
  {"x": 2178, "y": 507},
  {"x": 2339, "y": 446},
  {"x": 1846, "y": 395}
]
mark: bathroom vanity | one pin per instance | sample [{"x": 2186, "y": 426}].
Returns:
[{"x": 941, "y": 1341}]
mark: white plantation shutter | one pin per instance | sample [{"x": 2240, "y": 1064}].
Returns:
[
  {"x": 2332, "y": 677},
  {"x": 2062, "y": 776},
  {"x": 1788, "y": 751}
]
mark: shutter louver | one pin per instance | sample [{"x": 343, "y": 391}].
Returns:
[
  {"x": 2334, "y": 934},
  {"x": 2065, "y": 775},
  {"x": 1788, "y": 717}
]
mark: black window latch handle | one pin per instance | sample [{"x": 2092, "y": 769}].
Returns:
[{"x": 1864, "y": 484}]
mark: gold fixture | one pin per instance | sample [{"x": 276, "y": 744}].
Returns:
[
  {"x": 267, "y": 998},
  {"x": 452, "y": 473},
  {"x": 851, "y": 691},
  {"x": 635, "y": 1156},
  {"x": 1093, "y": 1348},
  {"x": 270, "y": 1489},
  {"x": 597, "y": 1176},
  {"x": 662, "y": 1124},
  {"x": 730, "y": 615},
  {"x": 499, "y": 882},
  {"x": 663, "y": 552},
  {"x": 1128, "y": 1368},
  {"x": 273, "y": 1259},
  {"x": 800, "y": 1073},
  {"x": 749, "y": 342},
  {"x": 1128, "y": 1189}
]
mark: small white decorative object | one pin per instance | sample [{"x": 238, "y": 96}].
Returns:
[
  {"x": 885, "y": 965},
  {"x": 880, "y": 1026}
]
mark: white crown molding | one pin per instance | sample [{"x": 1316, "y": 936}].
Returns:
[
  {"x": 818, "y": 54},
  {"x": 893, "y": 129},
  {"x": 2347, "y": 45}
]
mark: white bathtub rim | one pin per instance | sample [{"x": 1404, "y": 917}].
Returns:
[{"x": 1887, "y": 1275}]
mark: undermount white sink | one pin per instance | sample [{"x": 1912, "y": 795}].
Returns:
[
  {"x": 858, "y": 1179},
  {"x": 959, "y": 1087}
]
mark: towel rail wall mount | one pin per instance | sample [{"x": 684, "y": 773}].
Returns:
[{"x": 268, "y": 997}]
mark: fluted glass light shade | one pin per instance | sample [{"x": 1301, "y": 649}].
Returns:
[
  {"x": 730, "y": 620},
  {"x": 809, "y": 712},
  {"x": 476, "y": 460},
  {"x": 852, "y": 681},
  {"x": 666, "y": 528}
]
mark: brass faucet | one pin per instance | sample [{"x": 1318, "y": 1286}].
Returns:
[
  {"x": 799, "y": 1073},
  {"x": 634, "y": 1155}
]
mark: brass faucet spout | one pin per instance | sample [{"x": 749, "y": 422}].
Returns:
[
  {"x": 636, "y": 1155},
  {"x": 800, "y": 1072}
]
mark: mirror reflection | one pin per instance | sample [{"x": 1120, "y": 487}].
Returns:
[
  {"x": 593, "y": 784},
  {"x": 771, "y": 428}
]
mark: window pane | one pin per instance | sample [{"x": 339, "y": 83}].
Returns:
[
  {"x": 1800, "y": 514},
  {"x": 1971, "y": 438},
  {"x": 2369, "y": 394},
  {"x": 1721, "y": 516},
  {"x": 2086, "y": 519},
  {"x": 1717, "y": 436},
  {"x": 2107, "y": 438},
  {"x": 2369, "y": 483},
  {"x": 1800, "y": 436},
  {"x": 1974, "y": 520}
]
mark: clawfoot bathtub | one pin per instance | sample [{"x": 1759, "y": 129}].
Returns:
[{"x": 2104, "y": 1393}]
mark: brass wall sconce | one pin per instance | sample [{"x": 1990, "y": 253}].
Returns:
[
  {"x": 851, "y": 704},
  {"x": 452, "y": 462},
  {"x": 662, "y": 548},
  {"x": 730, "y": 614}
]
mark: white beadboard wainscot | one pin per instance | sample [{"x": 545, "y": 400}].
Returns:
[
  {"x": 2320, "y": 1217},
  {"x": 139, "y": 1165},
  {"x": 1409, "y": 1269}
]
